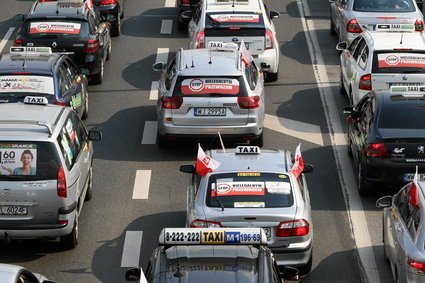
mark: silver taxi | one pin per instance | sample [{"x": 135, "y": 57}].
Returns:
[
  {"x": 208, "y": 90},
  {"x": 351, "y": 17},
  {"x": 234, "y": 21},
  {"x": 46, "y": 157},
  {"x": 254, "y": 188},
  {"x": 404, "y": 234},
  {"x": 380, "y": 60},
  {"x": 10, "y": 273}
]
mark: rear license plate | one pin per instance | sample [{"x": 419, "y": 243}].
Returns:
[
  {"x": 394, "y": 27},
  {"x": 406, "y": 84},
  {"x": 407, "y": 177},
  {"x": 268, "y": 232},
  {"x": 14, "y": 210},
  {"x": 210, "y": 111}
]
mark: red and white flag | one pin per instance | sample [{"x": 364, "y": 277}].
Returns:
[
  {"x": 413, "y": 194},
  {"x": 298, "y": 166},
  {"x": 204, "y": 163},
  {"x": 246, "y": 55}
]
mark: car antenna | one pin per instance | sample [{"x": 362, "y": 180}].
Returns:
[
  {"x": 209, "y": 52},
  {"x": 401, "y": 39},
  {"x": 233, "y": 5},
  {"x": 57, "y": 10},
  {"x": 193, "y": 64},
  {"x": 178, "y": 273}
]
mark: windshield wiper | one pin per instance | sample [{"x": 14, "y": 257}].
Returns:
[{"x": 219, "y": 201}]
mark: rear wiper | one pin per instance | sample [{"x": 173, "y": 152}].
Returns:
[
  {"x": 219, "y": 201},
  {"x": 214, "y": 21}
]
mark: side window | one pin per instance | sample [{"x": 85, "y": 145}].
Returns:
[
  {"x": 65, "y": 81},
  {"x": 71, "y": 70},
  {"x": 171, "y": 72},
  {"x": 363, "y": 58},
  {"x": 96, "y": 16},
  {"x": 359, "y": 49},
  {"x": 404, "y": 207},
  {"x": 353, "y": 44},
  {"x": 197, "y": 13},
  {"x": 413, "y": 221},
  {"x": 72, "y": 139},
  {"x": 251, "y": 74}
]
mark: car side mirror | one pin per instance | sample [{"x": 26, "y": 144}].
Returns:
[
  {"x": 385, "y": 201},
  {"x": 85, "y": 72},
  {"x": 95, "y": 136},
  {"x": 290, "y": 273},
  {"x": 348, "y": 110},
  {"x": 19, "y": 17},
  {"x": 158, "y": 67},
  {"x": 186, "y": 16},
  {"x": 308, "y": 168},
  {"x": 133, "y": 274},
  {"x": 187, "y": 169},
  {"x": 341, "y": 46},
  {"x": 274, "y": 15}
]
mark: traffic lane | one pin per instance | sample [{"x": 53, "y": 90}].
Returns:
[{"x": 8, "y": 9}]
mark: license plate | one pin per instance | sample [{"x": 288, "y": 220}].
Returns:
[
  {"x": 395, "y": 27},
  {"x": 407, "y": 177},
  {"x": 14, "y": 210},
  {"x": 268, "y": 232},
  {"x": 405, "y": 84},
  {"x": 210, "y": 111}
]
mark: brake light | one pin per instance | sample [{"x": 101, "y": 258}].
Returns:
[
  {"x": 62, "y": 222},
  {"x": 200, "y": 39},
  {"x": 92, "y": 45},
  {"x": 185, "y": 3},
  {"x": 353, "y": 26},
  {"x": 376, "y": 150},
  {"x": 298, "y": 227},
  {"x": 403, "y": 49},
  {"x": 62, "y": 190},
  {"x": 47, "y": 0},
  {"x": 250, "y": 102},
  {"x": 419, "y": 26},
  {"x": 420, "y": 266},
  {"x": 205, "y": 224},
  {"x": 171, "y": 102},
  {"x": 60, "y": 102},
  {"x": 269, "y": 39},
  {"x": 107, "y": 2},
  {"x": 365, "y": 82},
  {"x": 21, "y": 73},
  {"x": 17, "y": 42}
]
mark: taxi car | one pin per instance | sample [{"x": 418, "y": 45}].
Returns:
[
  {"x": 46, "y": 157},
  {"x": 351, "y": 17},
  {"x": 212, "y": 255},
  {"x": 386, "y": 137},
  {"x": 208, "y": 90},
  {"x": 37, "y": 72},
  {"x": 253, "y": 188},
  {"x": 237, "y": 21},
  {"x": 10, "y": 273},
  {"x": 379, "y": 60},
  {"x": 403, "y": 234},
  {"x": 70, "y": 26}
]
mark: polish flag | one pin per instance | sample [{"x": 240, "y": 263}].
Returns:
[
  {"x": 246, "y": 55},
  {"x": 204, "y": 163},
  {"x": 298, "y": 166},
  {"x": 414, "y": 197}
]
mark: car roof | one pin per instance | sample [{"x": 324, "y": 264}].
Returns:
[
  {"x": 395, "y": 40},
  {"x": 399, "y": 98},
  {"x": 252, "y": 5},
  {"x": 211, "y": 251},
  {"x": 71, "y": 9},
  {"x": 12, "y": 62}
]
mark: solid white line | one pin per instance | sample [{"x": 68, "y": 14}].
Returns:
[
  {"x": 141, "y": 184},
  {"x": 6, "y": 38},
  {"x": 131, "y": 251},
  {"x": 149, "y": 132},
  {"x": 170, "y": 3},
  {"x": 162, "y": 55},
  {"x": 166, "y": 26},
  {"x": 153, "y": 95},
  {"x": 339, "y": 145}
]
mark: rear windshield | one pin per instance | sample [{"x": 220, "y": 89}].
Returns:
[
  {"x": 28, "y": 161},
  {"x": 45, "y": 28},
  {"x": 398, "y": 62},
  {"x": 234, "y": 19},
  {"x": 210, "y": 86},
  {"x": 19, "y": 86},
  {"x": 407, "y": 116},
  {"x": 256, "y": 190},
  {"x": 384, "y": 6}
]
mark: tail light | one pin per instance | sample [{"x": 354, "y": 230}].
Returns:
[
  {"x": 353, "y": 26},
  {"x": 365, "y": 82},
  {"x": 200, "y": 39},
  {"x": 376, "y": 150},
  {"x": 107, "y": 2},
  {"x": 269, "y": 39},
  {"x": 47, "y": 0},
  {"x": 62, "y": 222},
  {"x": 171, "y": 102},
  {"x": 62, "y": 190},
  {"x": 250, "y": 102},
  {"x": 205, "y": 224},
  {"x": 417, "y": 265},
  {"x": 293, "y": 228},
  {"x": 185, "y": 3},
  {"x": 60, "y": 102},
  {"x": 92, "y": 45},
  {"x": 419, "y": 26},
  {"x": 17, "y": 42}
]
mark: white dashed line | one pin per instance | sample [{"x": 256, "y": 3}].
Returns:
[
  {"x": 141, "y": 184},
  {"x": 166, "y": 26},
  {"x": 154, "y": 91},
  {"x": 149, "y": 132},
  {"x": 131, "y": 251},
  {"x": 170, "y": 3},
  {"x": 6, "y": 38},
  {"x": 162, "y": 55}
]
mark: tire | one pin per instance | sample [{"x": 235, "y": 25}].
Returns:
[
  {"x": 341, "y": 86},
  {"x": 86, "y": 108},
  {"x": 258, "y": 141},
  {"x": 98, "y": 78},
  {"x": 89, "y": 193},
  {"x": 70, "y": 241},
  {"x": 162, "y": 142},
  {"x": 332, "y": 27},
  {"x": 350, "y": 150},
  {"x": 109, "y": 52},
  {"x": 271, "y": 77},
  {"x": 350, "y": 98},
  {"x": 386, "y": 258},
  {"x": 361, "y": 185},
  {"x": 305, "y": 269},
  {"x": 116, "y": 27}
]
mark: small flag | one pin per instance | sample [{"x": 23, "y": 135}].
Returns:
[
  {"x": 413, "y": 193},
  {"x": 204, "y": 163},
  {"x": 298, "y": 166},
  {"x": 246, "y": 55}
]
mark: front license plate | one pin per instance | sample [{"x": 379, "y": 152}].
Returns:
[
  {"x": 14, "y": 210},
  {"x": 268, "y": 232},
  {"x": 210, "y": 111},
  {"x": 409, "y": 177}
]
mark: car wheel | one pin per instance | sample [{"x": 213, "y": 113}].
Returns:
[
  {"x": 350, "y": 144},
  {"x": 86, "y": 107},
  {"x": 116, "y": 27},
  {"x": 70, "y": 241},
  {"x": 98, "y": 78},
  {"x": 332, "y": 27},
  {"x": 109, "y": 52},
  {"x": 89, "y": 193},
  {"x": 361, "y": 185},
  {"x": 350, "y": 98},
  {"x": 271, "y": 77},
  {"x": 162, "y": 142},
  {"x": 341, "y": 85},
  {"x": 258, "y": 141},
  {"x": 305, "y": 269}
]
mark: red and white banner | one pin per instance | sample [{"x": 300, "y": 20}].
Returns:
[
  {"x": 239, "y": 189},
  {"x": 413, "y": 193},
  {"x": 210, "y": 85},
  {"x": 55, "y": 27},
  {"x": 391, "y": 60},
  {"x": 240, "y": 18},
  {"x": 298, "y": 166},
  {"x": 245, "y": 54},
  {"x": 204, "y": 163}
]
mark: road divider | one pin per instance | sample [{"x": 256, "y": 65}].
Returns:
[
  {"x": 149, "y": 132},
  {"x": 166, "y": 26},
  {"x": 170, "y": 3},
  {"x": 131, "y": 250},
  {"x": 153, "y": 95},
  {"x": 162, "y": 55},
  {"x": 141, "y": 184},
  {"x": 6, "y": 38}
]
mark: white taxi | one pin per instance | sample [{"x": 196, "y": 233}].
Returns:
[{"x": 379, "y": 60}]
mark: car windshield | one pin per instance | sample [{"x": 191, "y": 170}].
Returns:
[
  {"x": 403, "y": 116},
  {"x": 398, "y": 62},
  {"x": 54, "y": 28},
  {"x": 384, "y": 6},
  {"x": 19, "y": 86},
  {"x": 210, "y": 86},
  {"x": 249, "y": 189}
]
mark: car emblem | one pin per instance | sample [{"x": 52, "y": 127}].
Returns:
[
  {"x": 404, "y": 78},
  {"x": 421, "y": 149},
  {"x": 398, "y": 150},
  {"x": 54, "y": 44},
  {"x": 235, "y": 39},
  {"x": 209, "y": 103},
  {"x": 6, "y": 191}
]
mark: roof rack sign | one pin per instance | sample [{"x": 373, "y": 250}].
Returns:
[
  {"x": 395, "y": 27},
  {"x": 222, "y": 46},
  {"x": 247, "y": 149},
  {"x": 232, "y": 1},
  {"x": 35, "y": 100},
  {"x": 212, "y": 236},
  {"x": 31, "y": 50}
]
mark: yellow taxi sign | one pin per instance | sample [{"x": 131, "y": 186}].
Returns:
[{"x": 212, "y": 237}]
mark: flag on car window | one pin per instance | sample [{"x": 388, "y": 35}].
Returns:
[
  {"x": 414, "y": 197},
  {"x": 298, "y": 166},
  {"x": 204, "y": 163},
  {"x": 245, "y": 54}
]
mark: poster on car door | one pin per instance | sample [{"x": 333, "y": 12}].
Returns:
[
  {"x": 55, "y": 27},
  {"x": 391, "y": 60},
  {"x": 34, "y": 84},
  {"x": 210, "y": 85},
  {"x": 239, "y": 18},
  {"x": 18, "y": 159},
  {"x": 238, "y": 189}
]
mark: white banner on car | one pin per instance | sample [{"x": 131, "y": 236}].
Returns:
[{"x": 34, "y": 84}]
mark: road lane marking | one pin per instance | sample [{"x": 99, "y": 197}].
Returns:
[
  {"x": 153, "y": 95},
  {"x": 6, "y": 38},
  {"x": 162, "y": 55},
  {"x": 353, "y": 203},
  {"x": 131, "y": 251},
  {"x": 149, "y": 132},
  {"x": 141, "y": 184},
  {"x": 301, "y": 130},
  {"x": 170, "y": 3},
  {"x": 166, "y": 26}
]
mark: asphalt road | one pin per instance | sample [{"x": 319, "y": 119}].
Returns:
[{"x": 113, "y": 223}]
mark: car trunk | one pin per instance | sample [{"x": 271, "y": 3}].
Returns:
[
  {"x": 405, "y": 145},
  {"x": 386, "y": 20}
]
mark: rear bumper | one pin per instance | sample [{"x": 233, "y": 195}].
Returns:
[
  {"x": 92, "y": 63},
  {"x": 293, "y": 256}
]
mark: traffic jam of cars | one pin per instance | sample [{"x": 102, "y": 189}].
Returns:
[{"x": 248, "y": 211}]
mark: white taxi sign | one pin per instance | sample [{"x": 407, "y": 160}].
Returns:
[
  {"x": 222, "y": 46},
  {"x": 212, "y": 236},
  {"x": 395, "y": 27},
  {"x": 232, "y": 1},
  {"x": 31, "y": 50},
  {"x": 408, "y": 90},
  {"x": 36, "y": 100},
  {"x": 247, "y": 149}
]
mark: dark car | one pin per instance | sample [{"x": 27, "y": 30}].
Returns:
[
  {"x": 71, "y": 26},
  {"x": 386, "y": 137},
  {"x": 36, "y": 72},
  {"x": 111, "y": 11},
  {"x": 185, "y": 5}
]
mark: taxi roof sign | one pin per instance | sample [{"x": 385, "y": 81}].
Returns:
[
  {"x": 212, "y": 236},
  {"x": 36, "y": 100},
  {"x": 31, "y": 50},
  {"x": 222, "y": 46},
  {"x": 247, "y": 149}
]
